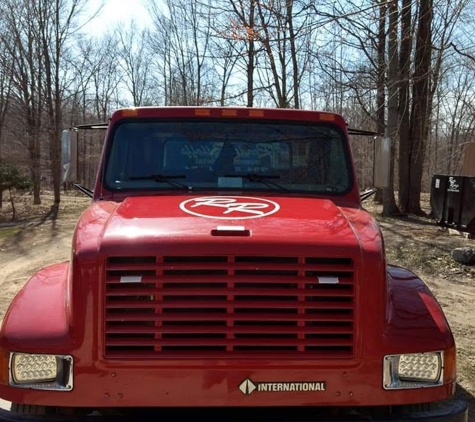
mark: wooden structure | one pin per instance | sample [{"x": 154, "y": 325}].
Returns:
[{"x": 468, "y": 168}]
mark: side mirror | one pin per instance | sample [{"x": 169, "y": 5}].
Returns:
[
  {"x": 69, "y": 156},
  {"x": 382, "y": 162}
]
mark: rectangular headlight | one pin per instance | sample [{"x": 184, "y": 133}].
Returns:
[
  {"x": 420, "y": 367},
  {"x": 413, "y": 370},
  {"x": 34, "y": 368},
  {"x": 41, "y": 371}
]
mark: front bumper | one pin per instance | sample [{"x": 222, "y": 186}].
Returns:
[{"x": 447, "y": 411}]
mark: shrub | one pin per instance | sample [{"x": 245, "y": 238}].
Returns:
[{"x": 11, "y": 179}]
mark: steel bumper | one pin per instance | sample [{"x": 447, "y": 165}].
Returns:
[{"x": 449, "y": 411}]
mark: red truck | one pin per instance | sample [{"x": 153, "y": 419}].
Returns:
[{"x": 226, "y": 268}]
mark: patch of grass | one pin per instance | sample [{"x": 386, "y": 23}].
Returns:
[
  {"x": 8, "y": 232},
  {"x": 26, "y": 211},
  {"x": 418, "y": 257}
]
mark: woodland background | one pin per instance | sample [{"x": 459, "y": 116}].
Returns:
[{"x": 404, "y": 69}]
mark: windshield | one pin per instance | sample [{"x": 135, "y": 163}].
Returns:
[{"x": 228, "y": 155}]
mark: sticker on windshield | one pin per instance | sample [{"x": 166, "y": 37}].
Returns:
[{"x": 229, "y": 207}]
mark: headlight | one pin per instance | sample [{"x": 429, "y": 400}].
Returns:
[
  {"x": 414, "y": 370},
  {"x": 39, "y": 371},
  {"x": 420, "y": 367},
  {"x": 34, "y": 368}
]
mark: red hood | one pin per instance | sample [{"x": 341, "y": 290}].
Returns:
[{"x": 180, "y": 225}]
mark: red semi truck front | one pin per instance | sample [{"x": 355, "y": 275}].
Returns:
[{"x": 226, "y": 263}]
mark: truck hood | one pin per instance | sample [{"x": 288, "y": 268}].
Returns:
[{"x": 181, "y": 224}]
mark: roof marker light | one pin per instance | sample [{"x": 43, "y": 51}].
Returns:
[
  {"x": 202, "y": 111},
  {"x": 130, "y": 112},
  {"x": 327, "y": 117}
]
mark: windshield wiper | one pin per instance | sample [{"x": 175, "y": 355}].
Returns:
[
  {"x": 162, "y": 178},
  {"x": 260, "y": 178}
]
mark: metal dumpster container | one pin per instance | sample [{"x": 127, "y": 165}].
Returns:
[{"x": 453, "y": 202}]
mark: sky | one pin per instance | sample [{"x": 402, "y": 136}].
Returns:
[{"x": 114, "y": 12}]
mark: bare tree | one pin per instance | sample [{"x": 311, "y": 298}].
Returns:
[
  {"x": 283, "y": 34},
  {"x": 56, "y": 24},
  {"x": 225, "y": 59},
  {"x": 106, "y": 76},
  {"x": 389, "y": 201},
  {"x": 21, "y": 44},
  {"x": 135, "y": 62},
  {"x": 5, "y": 93},
  {"x": 419, "y": 112},
  {"x": 181, "y": 40},
  {"x": 381, "y": 76},
  {"x": 241, "y": 27},
  {"x": 404, "y": 100}
]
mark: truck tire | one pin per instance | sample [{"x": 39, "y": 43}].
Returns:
[
  {"x": 35, "y": 410},
  {"x": 28, "y": 409},
  {"x": 420, "y": 407}
]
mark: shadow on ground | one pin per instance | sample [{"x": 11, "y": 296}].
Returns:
[
  {"x": 418, "y": 221},
  {"x": 462, "y": 394}
]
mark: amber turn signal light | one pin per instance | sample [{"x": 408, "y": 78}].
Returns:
[
  {"x": 4, "y": 366},
  {"x": 450, "y": 365}
]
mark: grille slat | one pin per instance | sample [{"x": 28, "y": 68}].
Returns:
[
  {"x": 345, "y": 278},
  {"x": 146, "y": 352},
  {"x": 132, "y": 291},
  {"x": 188, "y": 316},
  {"x": 133, "y": 329},
  {"x": 229, "y": 306},
  {"x": 226, "y": 266},
  {"x": 223, "y": 304},
  {"x": 189, "y": 342}
]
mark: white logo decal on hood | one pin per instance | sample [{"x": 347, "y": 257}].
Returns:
[{"x": 229, "y": 207}]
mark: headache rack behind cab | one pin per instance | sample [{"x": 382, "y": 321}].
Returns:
[{"x": 229, "y": 306}]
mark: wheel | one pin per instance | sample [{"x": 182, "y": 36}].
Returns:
[{"x": 28, "y": 409}]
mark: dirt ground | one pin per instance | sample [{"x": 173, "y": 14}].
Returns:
[
  {"x": 34, "y": 242},
  {"x": 415, "y": 243}
]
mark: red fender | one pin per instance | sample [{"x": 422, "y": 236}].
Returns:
[
  {"x": 415, "y": 321},
  {"x": 39, "y": 318}
]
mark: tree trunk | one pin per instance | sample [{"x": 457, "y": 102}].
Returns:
[
  {"x": 404, "y": 105},
  {"x": 58, "y": 118},
  {"x": 52, "y": 63},
  {"x": 34, "y": 160},
  {"x": 381, "y": 79},
  {"x": 389, "y": 202},
  {"x": 420, "y": 94},
  {"x": 2, "y": 121},
  {"x": 380, "y": 84},
  {"x": 281, "y": 100},
  {"x": 13, "y": 204},
  {"x": 1, "y": 189},
  {"x": 250, "y": 74},
  {"x": 293, "y": 53}
]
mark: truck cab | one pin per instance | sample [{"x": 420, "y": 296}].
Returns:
[{"x": 226, "y": 264}]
